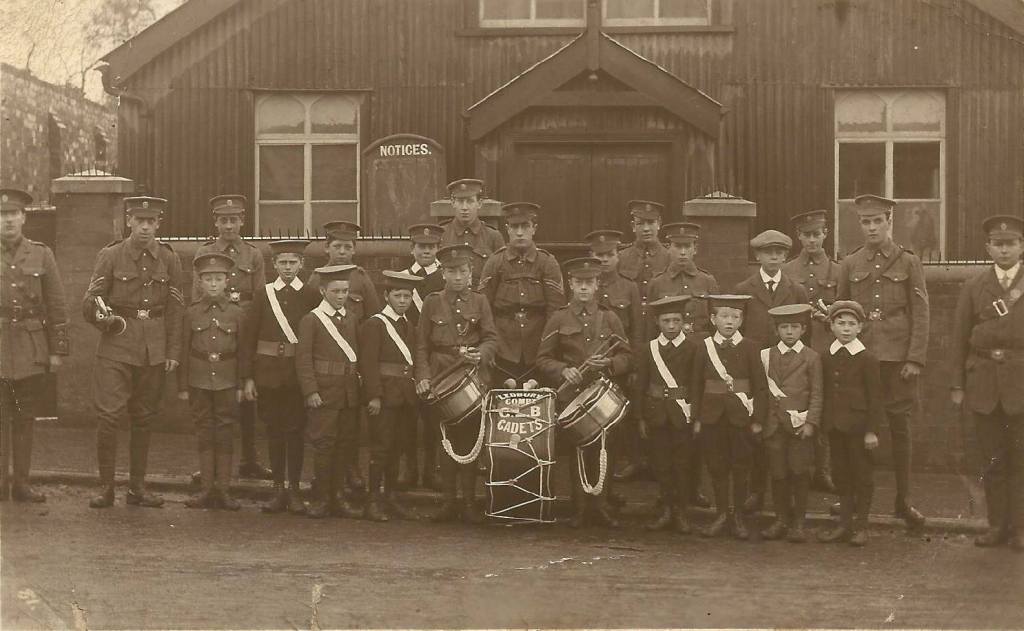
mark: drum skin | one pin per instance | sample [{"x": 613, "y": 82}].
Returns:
[
  {"x": 521, "y": 443},
  {"x": 457, "y": 398}
]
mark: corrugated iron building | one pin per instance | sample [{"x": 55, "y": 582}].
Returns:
[{"x": 583, "y": 104}]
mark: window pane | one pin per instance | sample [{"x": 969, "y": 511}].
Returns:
[
  {"x": 683, "y": 9},
  {"x": 334, "y": 211},
  {"x": 916, "y": 225},
  {"x": 847, "y": 229},
  {"x": 281, "y": 115},
  {"x": 334, "y": 115},
  {"x": 334, "y": 172},
  {"x": 918, "y": 111},
  {"x": 281, "y": 168},
  {"x": 915, "y": 170},
  {"x": 281, "y": 220},
  {"x": 860, "y": 112},
  {"x": 627, "y": 9},
  {"x": 504, "y": 9},
  {"x": 861, "y": 169},
  {"x": 559, "y": 9}
]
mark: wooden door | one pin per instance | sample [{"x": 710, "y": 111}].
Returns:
[{"x": 620, "y": 173}]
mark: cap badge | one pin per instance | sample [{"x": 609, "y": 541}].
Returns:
[
  {"x": 1002, "y": 226},
  {"x": 462, "y": 186},
  {"x": 5, "y": 198},
  {"x": 230, "y": 202},
  {"x": 602, "y": 238},
  {"x": 145, "y": 204},
  {"x": 426, "y": 232}
]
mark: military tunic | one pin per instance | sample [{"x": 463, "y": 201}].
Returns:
[
  {"x": 820, "y": 277},
  {"x": 641, "y": 264},
  {"x": 574, "y": 333},
  {"x": 680, "y": 280},
  {"x": 484, "y": 239},
  {"x": 245, "y": 279}
]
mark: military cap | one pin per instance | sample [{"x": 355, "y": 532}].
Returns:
[
  {"x": 680, "y": 231},
  {"x": 791, "y": 313},
  {"x": 735, "y": 301},
  {"x": 288, "y": 246},
  {"x": 334, "y": 272},
  {"x": 771, "y": 238},
  {"x": 643, "y": 209},
  {"x": 233, "y": 204},
  {"x": 1005, "y": 226},
  {"x": 604, "y": 240},
  {"x": 145, "y": 206},
  {"x": 868, "y": 205},
  {"x": 426, "y": 233},
  {"x": 669, "y": 304},
  {"x": 13, "y": 200},
  {"x": 805, "y": 222},
  {"x": 400, "y": 280},
  {"x": 583, "y": 267},
  {"x": 342, "y": 230},
  {"x": 839, "y": 307},
  {"x": 212, "y": 262},
  {"x": 455, "y": 255},
  {"x": 519, "y": 212},
  {"x": 466, "y": 187}
]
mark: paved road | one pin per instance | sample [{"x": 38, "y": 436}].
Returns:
[{"x": 65, "y": 565}]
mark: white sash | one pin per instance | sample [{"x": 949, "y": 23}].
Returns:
[
  {"x": 336, "y": 334},
  {"x": 416, "y": 300},
  {"x": 667, "y": 377},
  {"x": 795, "y": 418},
  {"x": 716, "y": 361},
  {"x": 395, "y": 337},
  {"x": 282, "y": 321}
]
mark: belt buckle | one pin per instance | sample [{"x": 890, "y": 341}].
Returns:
[
  {"x": 280, "y": 348},
  {"x": 998, "y": 354},
  {"x": 876, "y": 314},
  {"x": 1001, "y": 308},
  {"x": 213, "y": 357},
  {"x": 142, "y": 314},
  {"x": 234, "y": 296},
  {"x": 16, "y": 312}
]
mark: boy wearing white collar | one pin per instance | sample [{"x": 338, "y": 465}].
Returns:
[
  {"x": 326, "y": 364},
  {"x": 794, "y": 378},
  {"x": 852, "y": 409},
  {"x": 386, "y": 343}
]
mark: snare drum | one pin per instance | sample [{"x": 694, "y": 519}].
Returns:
[
  {"x": 456, "y": 398},
  {"x": 597, "y": 408}
]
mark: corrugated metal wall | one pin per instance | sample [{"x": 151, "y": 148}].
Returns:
[{"x": 775, "y": 73}]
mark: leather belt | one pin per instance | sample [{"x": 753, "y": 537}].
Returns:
[
  {"x": 395, "y": 369},
  {"x": 275, "y": 349},
  {"x": 18, "y": 312},
  {"x": 715, "y": 386},
  {"x": 520, "y": 312},
  {"x": 663, "y": 392},
  {"x": 997, "y": 354},
  {"x": 327, "y": 367},
  {"x": 213, "y": 357},
  {"x": 139, "y": 314},
  {"x": 879, "y": 314}
]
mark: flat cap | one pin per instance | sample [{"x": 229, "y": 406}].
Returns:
[
  {"x": 1006, "y": 226},
  {"x": 583, "y": 267},
  {"x": 334, "y": 272},
  {"x": 810, "y": 220},
  {"x": 519, "y": 212},
  {"x": 212, "y": 262},
  {"x": 14, "y": 200},
  {"x": 232, "y": 204},
  {"x": 791, "y": 313},
  {"x": 466, "y": 187},
  {"x": 644, "y": 209},
  {"x": 604, "y": 240},
  {"x": 771, "y": 238},
  {"x": 145, "y": 206},
  {"x": 342, "y": 230},
  {"x": 455, "y": 255},
  {"x": 669, "y": 304},
  {"x": 288, "y": 246},
  {"x": 839, "y": 307},
  {"x": 680, "y": 231},
  {"x": 868, "y": 205},
  {"x": 425, "y": 233},
  {"x": 400, "y": 280},
  {"x": 736, "y": 301}
]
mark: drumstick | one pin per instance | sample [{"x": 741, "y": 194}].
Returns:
[{"x": 616, "y": 340}]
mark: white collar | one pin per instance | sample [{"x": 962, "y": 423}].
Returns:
[
  {"x": 765, "y": 278},
  {"x": 679, "y": 339},
  {"x": 796, "y": 348},
  {"x": 854, "y": 347},
  {"x": 430, "y": 269},
  {"x": 326, "y": 308},
  {"x": 391, "y": 314},
  {"x": 735, "y": 339},
  {"x": 1007, "y": 273},
  {"x": 296, "y": 284}
]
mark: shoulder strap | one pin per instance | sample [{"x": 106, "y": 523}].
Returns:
[
  {"x": 333, "y": 331},
  {"x": 716, "y": 361},
  {"x": 395, "y": 337},
  {"x": 282, "y": 321},
  {"x": 667, "y": 377}
]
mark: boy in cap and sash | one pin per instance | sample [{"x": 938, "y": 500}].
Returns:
[
  {"x": 466, "y": 228},
  {"x": 988, "y": 360},
  {"x": 326, "y": 365},
  {"x": 455, "y": 327},
  {"x": 214, "y": 365},
  {"x": 852, "y": 407},
  {"x": 425, "y": 240},
  {"x": 793, "y": 371},
  {"x": 386, "y": 343},
  {"x": 138, "y": 280},
  {"x": 271, "y": 340},
  {"x": 729, "y": 405}
]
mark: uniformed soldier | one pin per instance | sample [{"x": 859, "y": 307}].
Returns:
[
  {"x": 212, "y": 369},
  {"x": 646, "y": 257},
  {"x": 456, "y": 326},
  {"x": 466, "y": 228},
  {"x": 819, "y": 274},
  {"x": 247, "y": 277},
  {"x": 271, "y": 339},
  {"x": 136, "y": 284},
  {"x": 575, "y": 349},
  {"x": 684, "y": 278},
  {"x": 33, "y": 337},
  {"x": 888, "y": 281},
  {"x": 988, "y": 360},
  {"x": 523, "y": 285}
]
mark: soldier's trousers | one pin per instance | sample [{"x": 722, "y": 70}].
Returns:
[
  {"x": 900, "y": 400},
  {"x": 20, "y": 402},
  {"x": 672, "y": 451},
  {"x": 283, "y": 410},
  {"x": 247, "y": 427},
  {"x": 853, "y": 470},
  {"x": 388, "y": 431},
  {"x": 330, "y": 433},
  {"x": 119, "y": 389},
  {"x": 1001, "y": 441},
  {"x": 727, "y": 452},
  {"x": 215, "y": 413}
]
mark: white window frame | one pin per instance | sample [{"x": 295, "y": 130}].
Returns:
[
  {"x": 532, "y": 21},
  {"x": 889, "y": 137},
  {"x": 654, "y": 20},
  {"x": 307, "y": 139}
]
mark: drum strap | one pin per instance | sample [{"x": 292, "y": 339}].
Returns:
[
  {"x": 795, "y": 418},
  {"x": 598, "y": 487},
  {"x": 666, "y": 376},
  {"x": 716, "y": 361},
  {"x": 282, "y": 321},
  {"x": 395, "y": 337},
  {"x": 475, "y": 451},
  {"x": 333, "y": 331}
]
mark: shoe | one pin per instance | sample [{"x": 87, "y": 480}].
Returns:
[
  {"x": 991, "y": 538},
  {"x": 25, "y": 493},
  {"x": 663, "y": 520},
  {"x": 318, "y": 510},
  {"x": 716, "y": 528},
  {"x": 204, "y": 499},
  {"x": 699, "y": 501},
  {"x": 680, "y": 523},
  {"x": 295, "y": 505},
  {"x": 254, "y": 471},
  {"x": 374, "y": 511},
  {"x": 776, "y": 531},
  {"x": 602, "y": 517},
  {"x": 1016, "y": 542},
  {"x": 823, "y": 483},
  {"x": 859, "y": 538},
  {"x": 797, "y": 534},
  {"x": 739, "y": 528},
  {"x": 627, "y": 473},
  {"x": 471, "y": 514},
  {"x": 754, "y": 503},
  {"x": 910, "y": 515},
  {"x": 449, "y": 512},
  {"x": 104, "y": 500},
  {"x": 346, "y": 509},
  {"x": 280, "y": 502},
  {"x": 227, "y": 502},
  {"x": 835, "y": 509},
  {"x": 139, "y": 497},
  {"x": 835, "y": 535}
]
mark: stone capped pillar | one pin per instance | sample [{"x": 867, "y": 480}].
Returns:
[{"x": 724, "y": 245}]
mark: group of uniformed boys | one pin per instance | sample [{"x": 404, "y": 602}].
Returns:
[{"x": 785, "y": 381}]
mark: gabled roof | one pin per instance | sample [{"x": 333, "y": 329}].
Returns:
[
  {"x": 1009, "y": 12},
  {"x": 589, "y": 52}
]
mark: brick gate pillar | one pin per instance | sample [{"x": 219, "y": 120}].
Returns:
[{"x": 724, "y": 245}]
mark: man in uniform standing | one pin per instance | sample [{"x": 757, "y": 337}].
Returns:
[
  {"x": 642, "y": 261},
  {"x": 988, "y": 359},
  {"x": 245, "y": 278},
  {"x": 139, "y": 281},
  {"x": 466, "y": 228},
  {"x": 888, "y": 281},
  {"x": 33, "y": 336},
  {"x": 684, "y": 278},
  {"x": 523, "y": 285}
]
